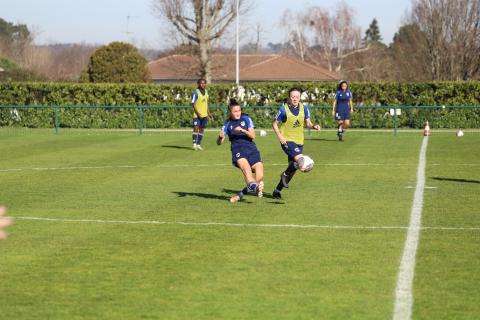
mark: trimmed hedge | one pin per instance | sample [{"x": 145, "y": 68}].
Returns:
[{"x": 255, "y": 94}]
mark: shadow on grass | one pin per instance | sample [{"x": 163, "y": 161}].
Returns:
[
  {"x": 177, "y": 147},
  {"x": 265, "y": 195},
  {"x": 205, "y": 196},
  {"x": 456, "y": 180}
]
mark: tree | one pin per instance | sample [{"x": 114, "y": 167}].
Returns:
[
  {"x": 335, "y": 35},
  {"x": 452, "y": 31},
  {"x": 409, "y": 54},
  {"x": 14, "y": 40},
  {"x": 117, "y": 62},
  {"x": 373, "y": 33},
  {"x": 296, "y": 33},
  {"x": 200, "y": 21}
]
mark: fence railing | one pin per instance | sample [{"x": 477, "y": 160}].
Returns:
[{"x": 137, "y": 114}]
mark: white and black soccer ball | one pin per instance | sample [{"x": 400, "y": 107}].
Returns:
[
  {"x": 263, "y": 133},
  {"x": 305, "y": 163},
  {"x": 460, "y": 133}
]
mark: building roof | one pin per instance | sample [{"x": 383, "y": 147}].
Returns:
[{"x": 253, "y": 67}]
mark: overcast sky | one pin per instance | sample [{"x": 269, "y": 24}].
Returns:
[{"x": 104, "y": 21}]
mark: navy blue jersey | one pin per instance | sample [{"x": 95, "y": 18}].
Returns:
[
  {"x": 281, "y": 115},
  {"x": 239, "y": 139},
  {"x": 342, "y": 99}
]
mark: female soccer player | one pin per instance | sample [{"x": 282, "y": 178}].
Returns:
[
  {"x": 201, "y": 113},
  {"x": 245, "y": 155},
  {"x": 342, "y": 107},
  {"x": 293, "y": 115}
]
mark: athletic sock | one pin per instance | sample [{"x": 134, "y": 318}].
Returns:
[
  {"x": 199, "y": 139},
  {"x": 252, "y": 186},
  {"x": 194, "y": 137}
]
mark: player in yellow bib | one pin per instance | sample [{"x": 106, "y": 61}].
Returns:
[
  {"x": 201, "y": 113},
  {"x": 293, "y": 115}
]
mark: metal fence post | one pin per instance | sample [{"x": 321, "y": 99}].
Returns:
[
  {"x": 141, "y": 121},
  {"x": 395, "y": 121},
  {"x": 57, "y": 119}
]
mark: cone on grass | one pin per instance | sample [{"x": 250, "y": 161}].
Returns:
[{"x": 426, "y": 130}]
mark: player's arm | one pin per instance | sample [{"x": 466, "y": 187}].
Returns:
[
  {"x": 278, "y": 133},
  {"x": 249, "y": 133},
  {"x": 334, "y": 109},
  {"x": 221, "y": 135},
  {"x": 310, "y": 125},
  {"x": 350, "y": 104},
  {"x": 308, "y": 122},
  {"x": 194, "y": 99}
]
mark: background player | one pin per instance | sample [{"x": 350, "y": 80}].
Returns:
[
  {"x": 201, "y": 113},
  {"x": 245, "y": 155},
  {"x": 293, "y": 115},
  {"x": 342, "y": 107}
]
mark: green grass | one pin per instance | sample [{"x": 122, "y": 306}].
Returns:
[{"x": 88, "y": 270}]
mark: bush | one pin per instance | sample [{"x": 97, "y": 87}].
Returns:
[
  {"x": 256, "y": 94},
  {"x": 117, "y": 62}
]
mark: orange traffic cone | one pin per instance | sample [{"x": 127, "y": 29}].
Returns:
[{"x": 426, "y": 130}]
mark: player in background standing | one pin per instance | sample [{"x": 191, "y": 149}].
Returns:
[
  {"x": 292, "y": 115},
  {"x": 201, "y": 113},
  {"x": 342, "y": 107}
]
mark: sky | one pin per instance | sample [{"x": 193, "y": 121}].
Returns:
[{"x": 104, "y": 21}]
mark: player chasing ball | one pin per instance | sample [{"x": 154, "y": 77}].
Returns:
[
  {"x": 342, "y": 107},
  {"x": 240, "y": 130},
  {"x": 293, "y": 115},
  {"x": 201, "y": 113}
]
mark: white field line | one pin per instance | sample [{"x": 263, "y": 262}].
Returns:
[
  {"x": 404, "y": 289},
  {"x": 199, "y": 166},
  {"x": 243, "y": 225}
]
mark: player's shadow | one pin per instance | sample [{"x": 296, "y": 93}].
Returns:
[
  {"x": 176, "y": 147},
  {"x": 456, "y": 180},
  {"x": 265, "y": 195},
  {"x": 182, "y": 194}
]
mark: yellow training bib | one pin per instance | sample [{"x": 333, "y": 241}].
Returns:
[
  {"x": 201, "y": 104},
  {"x": 292, "y": 129}
]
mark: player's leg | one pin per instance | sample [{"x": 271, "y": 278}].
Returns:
[
  {"x": 347, "y": 123},
  {"x": 203, "y": 125},
  {"x": 196, "y": 129},
  {"x": 258, "y": 170},
  {"x": 340, "y": 130},
  {"x": 252, "y": 185},
  {"x": 294, "y": 153}
]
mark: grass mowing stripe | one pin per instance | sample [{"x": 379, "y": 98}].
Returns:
[{"x": 403, "y": 291}]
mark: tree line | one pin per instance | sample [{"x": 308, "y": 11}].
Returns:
[{"x": 438, "y": 40}]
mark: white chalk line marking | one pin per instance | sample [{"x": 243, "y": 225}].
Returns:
[
  {"x": 404, "y": 288},
  {"x": 245, "y": 225},
  {"x": 204, "y": 165}
]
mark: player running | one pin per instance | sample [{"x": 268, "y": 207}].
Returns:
[
  {"x": 201, "y": 113},
  {"x": 240, "y": 130},
  {"x": 342, "y": 107},
  {"x": 293, "y": 115}
]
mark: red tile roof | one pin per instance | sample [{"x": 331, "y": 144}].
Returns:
[{"x": 252, "y": 68}]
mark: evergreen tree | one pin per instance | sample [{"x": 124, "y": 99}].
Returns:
[{"x": 373, "y": 33}]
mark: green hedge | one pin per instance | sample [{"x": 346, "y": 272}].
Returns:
[{"x": 255, "y": 94}]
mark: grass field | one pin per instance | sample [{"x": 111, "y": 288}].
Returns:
[{"x": 141, "y": 227}]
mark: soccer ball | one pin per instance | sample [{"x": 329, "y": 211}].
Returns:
[
  {"x": 263, "y": 133},
  {"x": 305, "y": 164},
  {"x": 459, "y": 133}
]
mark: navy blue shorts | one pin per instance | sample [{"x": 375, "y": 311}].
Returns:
[
  {"x": 251, "y": 154},
  {"x": 200, "y": 122},
  {"x": 292, "y": 150},
  {"x": 342, "y": 116}
]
